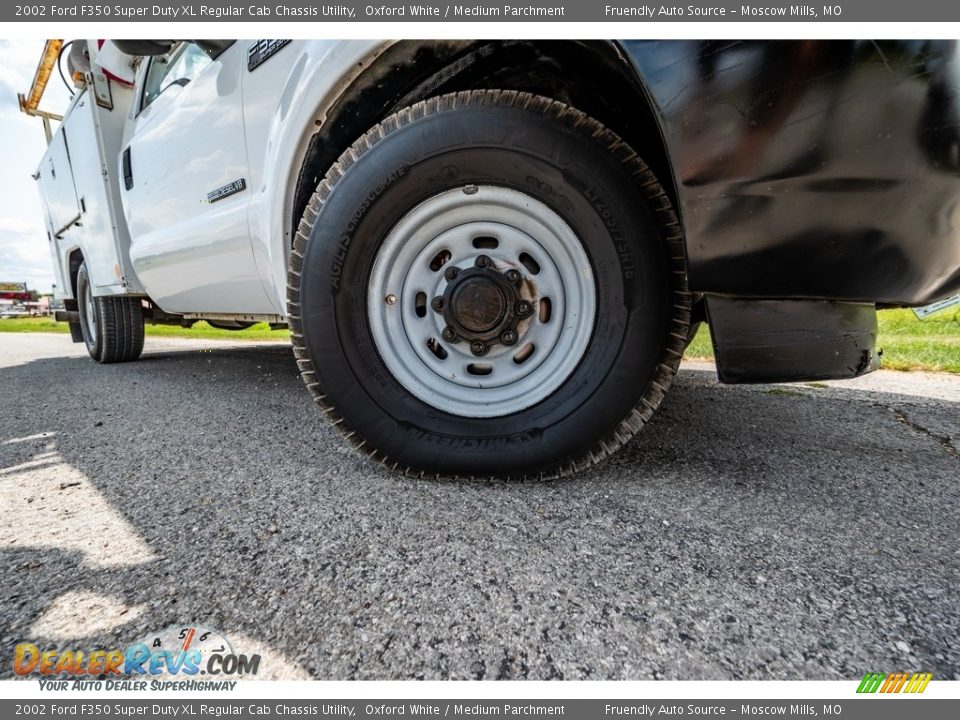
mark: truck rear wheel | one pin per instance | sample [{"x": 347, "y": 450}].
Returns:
[
  {"x": 112, "y": 327},
  {"x": 489, "y": 284}
]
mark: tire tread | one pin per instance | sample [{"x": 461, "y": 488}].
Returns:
[{"x": 120, "y": 330}]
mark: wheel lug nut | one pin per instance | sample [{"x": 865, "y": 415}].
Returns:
[
  {"x": 478, "y": 348},
  {"x": 449, "y": 334},
  {"x": 509, "y": 337},
  {"x": 391, "y": 299},
  {"x": 451, "y": 272},
  {"x": 482, "y": 261},
  {"x": 437, "y": 303},
  {"x": 524, "y": 308},
  {"x": 513, "y": 276}
]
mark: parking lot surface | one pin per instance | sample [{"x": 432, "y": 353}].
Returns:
[{"x": 763, "y": 532}]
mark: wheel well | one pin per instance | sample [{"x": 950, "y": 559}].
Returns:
[{"x": 593, "y": 77}]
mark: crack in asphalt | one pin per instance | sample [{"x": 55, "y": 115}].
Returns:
[{"x": 942, "y": 440}]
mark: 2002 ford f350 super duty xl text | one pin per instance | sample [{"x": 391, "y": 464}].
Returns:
[{"x": 491, "y": 255}]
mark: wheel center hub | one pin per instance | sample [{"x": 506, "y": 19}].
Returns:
[{"x": 478, "y": 304}]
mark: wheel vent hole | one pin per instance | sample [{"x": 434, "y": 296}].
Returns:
[
  {"x": 524, "y": 353},
  {"x": 546, "y": 308},
  {"x": 434, "y": 346},
  {"x": 420, "y": 304},
  {"x": 479, "y": 369},
  {"x": 440, "y": 259},
  {"x": 485, "y": 242},
  {"x": 529, "y": 263}
]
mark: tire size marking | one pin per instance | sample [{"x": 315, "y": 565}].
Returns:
[{"x": 607, "y": 215}]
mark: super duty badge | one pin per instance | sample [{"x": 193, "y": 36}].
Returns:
[{"x": 261, "y": 51}]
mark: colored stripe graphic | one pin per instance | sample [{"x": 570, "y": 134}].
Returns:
[
  {"x": 870, "y": 683},
  {"x": 918, "y": 683},
  {"x": 894, "y": 683}
]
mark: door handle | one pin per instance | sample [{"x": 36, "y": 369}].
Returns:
[{"x": 127, "y": 169}]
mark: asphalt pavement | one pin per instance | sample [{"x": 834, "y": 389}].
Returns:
[{"x": 762, "y": 532}]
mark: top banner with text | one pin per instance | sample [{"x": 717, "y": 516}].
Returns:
[{"x": 482, "y": 10}]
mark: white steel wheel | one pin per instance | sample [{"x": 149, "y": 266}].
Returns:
[
  {"x": 481, "y": 301},
  {"x": 88, "y": 317}
]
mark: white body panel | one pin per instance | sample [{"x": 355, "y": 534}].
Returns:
[
  {"x": 82, "y": 203},
  {"x": 57, "y": 190},
  {"x": 283, "y": 109},
  {"x": 228, "y": 123},
  {"x": 58, "y": 197}
]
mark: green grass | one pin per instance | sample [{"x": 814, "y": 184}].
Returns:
[
  {"x": 908, "y": 343},
  {"x": 200, "y": 330},
  {"x": 19, "y": 325},
  {"x": 260, "y": 331},
  {"x": 701, "y": 348}
]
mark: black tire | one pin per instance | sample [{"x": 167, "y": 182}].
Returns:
[
  {"x": 564, "y": 159},
  {"x": 115, "y": 332}
]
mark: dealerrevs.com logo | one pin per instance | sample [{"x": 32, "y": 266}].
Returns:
[{"x": 172, "y": 659}]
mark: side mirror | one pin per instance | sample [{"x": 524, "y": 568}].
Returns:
[{"x": 144, "y": 47}]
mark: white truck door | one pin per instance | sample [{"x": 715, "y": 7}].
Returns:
[{"x": 185, "y": 174}]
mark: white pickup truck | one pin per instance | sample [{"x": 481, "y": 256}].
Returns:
[{"x": 491, "y": 255}]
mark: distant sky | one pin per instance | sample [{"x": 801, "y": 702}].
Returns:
[{"x": 24, "y": 256}]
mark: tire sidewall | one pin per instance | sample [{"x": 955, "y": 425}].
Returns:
[
  {"x": 581, "y": 179},
  {"x": 83, "y": 286}
]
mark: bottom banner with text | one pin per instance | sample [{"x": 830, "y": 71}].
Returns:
[{"x": 876, "y": 708}]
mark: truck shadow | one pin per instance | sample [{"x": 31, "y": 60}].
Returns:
[{"x": 763, "y": 533}]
